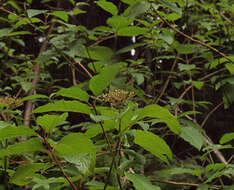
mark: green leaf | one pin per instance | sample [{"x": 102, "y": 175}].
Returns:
[
  {"x": 108, "y": 6},
  {"x": 185, "y": 67},
  {"x": 33, "y": 12},
  {"x": 64, "y": 106},
  {"x": 83, "y": 162},
  {"x": 75, "y": 143},
  {"x": 140, "y": 182},
  {"x": 99, "y": 82},
  {"x": 26, "y": 86},
  {"x": 131, "y": 31},
  {"x": 219, "y": 61},
  {"x": 13, "y": 132},
  {"x": 230, "y": 67},
  {"x": 26, "y": 172},
  {"x": 225, "y": 138},
  {"x": 74, "y": 92},
  {"x": 136, "y": 9},
  {"x": 49, "y": 122},
  {"x": 61, "y": 14},
  {"x": 192, "y": 136},
  {"x": 154, "y": 144},
  {"x": 171, "y": 6},
  {"x": 161, "y": 113},
  {"x": 198, "y": 84},
  {"x": 118, "y": 22},
  {"x": 31, "y": 145},
  {"x": 101, "y": 53},
  {"x": 35, "y": 96}
]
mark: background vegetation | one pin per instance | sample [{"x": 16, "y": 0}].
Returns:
[{"x": 105, "y": 94}]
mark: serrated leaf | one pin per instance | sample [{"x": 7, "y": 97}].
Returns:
[
  {"x": 74, "y": 92},
  {"x": 61, "y": 14},
  {"x": 100, "y": 81},
  {"x": 75, "y": 143},
  {"x": 25, "y": 173},
  {"x": 140, "y": 182},
  {"x": 49, "y": 122},
  {"x": 154, "y": 144},
  {"x": 33, "y": 12},
  {"x": 225, "y": 138},
  {"x": 13, "y": 132},
  {"x": 131, "y": 31},
  {"x": 64, "y": 106},
  {"x": 161, "y": 113},
  {"x": 108, "y": 6},
  {"x": 31, "y": 145},
  {"x": 192, "y": 136}
]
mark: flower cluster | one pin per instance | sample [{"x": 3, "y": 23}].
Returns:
[
  {"x": 117, "y": 97},
  {"x": 12, "y": 102}
]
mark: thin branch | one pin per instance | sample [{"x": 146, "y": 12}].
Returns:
[{"x": 192, "y": 39}]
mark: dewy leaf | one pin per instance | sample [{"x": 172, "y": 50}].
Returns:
[
  {"x": 25, "y": 173},
  {"x": 31, "y": 145},
  {"x": 75, "y": 143},
  {"x": 192, "y": 136},
  {"x": 33, "y": 12},
  {"x": 61, "y": 14},
  {"x": 140, "y": 182},
  {"x": 99, "y": 82},
  {"x": 154, "y": 144},
  {"x": 49, "y": 122},
  {"x": 64, "y": 106},
  {"x": 225, "y": 138},
  {"x": 230, "y": 67},
  {"x": 74, "y": 92},
  {"x": 108, "y": 6},
  {"x": 131, "y": 31},
  {"x": 13, "y": 132},
  {"x": 161, "y": 113}
]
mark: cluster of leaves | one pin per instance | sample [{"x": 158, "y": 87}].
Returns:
[{"x": 132, "y": 111}]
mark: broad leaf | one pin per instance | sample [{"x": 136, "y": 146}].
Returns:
[
  {"x": 131, "y": 31},
  {"x": 101, "y": 53},
  {"x": 161, "y": 113},
  {"x": 140, "y": 182},
  {"x": 230, "y": 67},
  {"x": 136, "y": 9},
  {"x": 154, "y": 144},
  {"x": 171, "y": 6},
  {"x": 61, "y": 14},
  {"x": 99, "y": 82},
  {"x": 64, "y": 106},
  {"x": 35, "y": 96},
  {"x": 75, "y": 143},
  {"x": 31, "y": 145},
  {"x": 48, "y": 122},
  {"x": 118, "y": 22},
  {"x": 33, "y": 12},
  {"x": 74, "y": 92},
  {"x": 192, "y": 136},
  {"x": 225, "y": 138},
  {"x": 108, "y": 6},
  {"x": 13, "y": 132},
  {"x": 25, "y": 173}
]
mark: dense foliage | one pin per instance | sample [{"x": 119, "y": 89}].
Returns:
[{"x": 129, "y": 94}]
